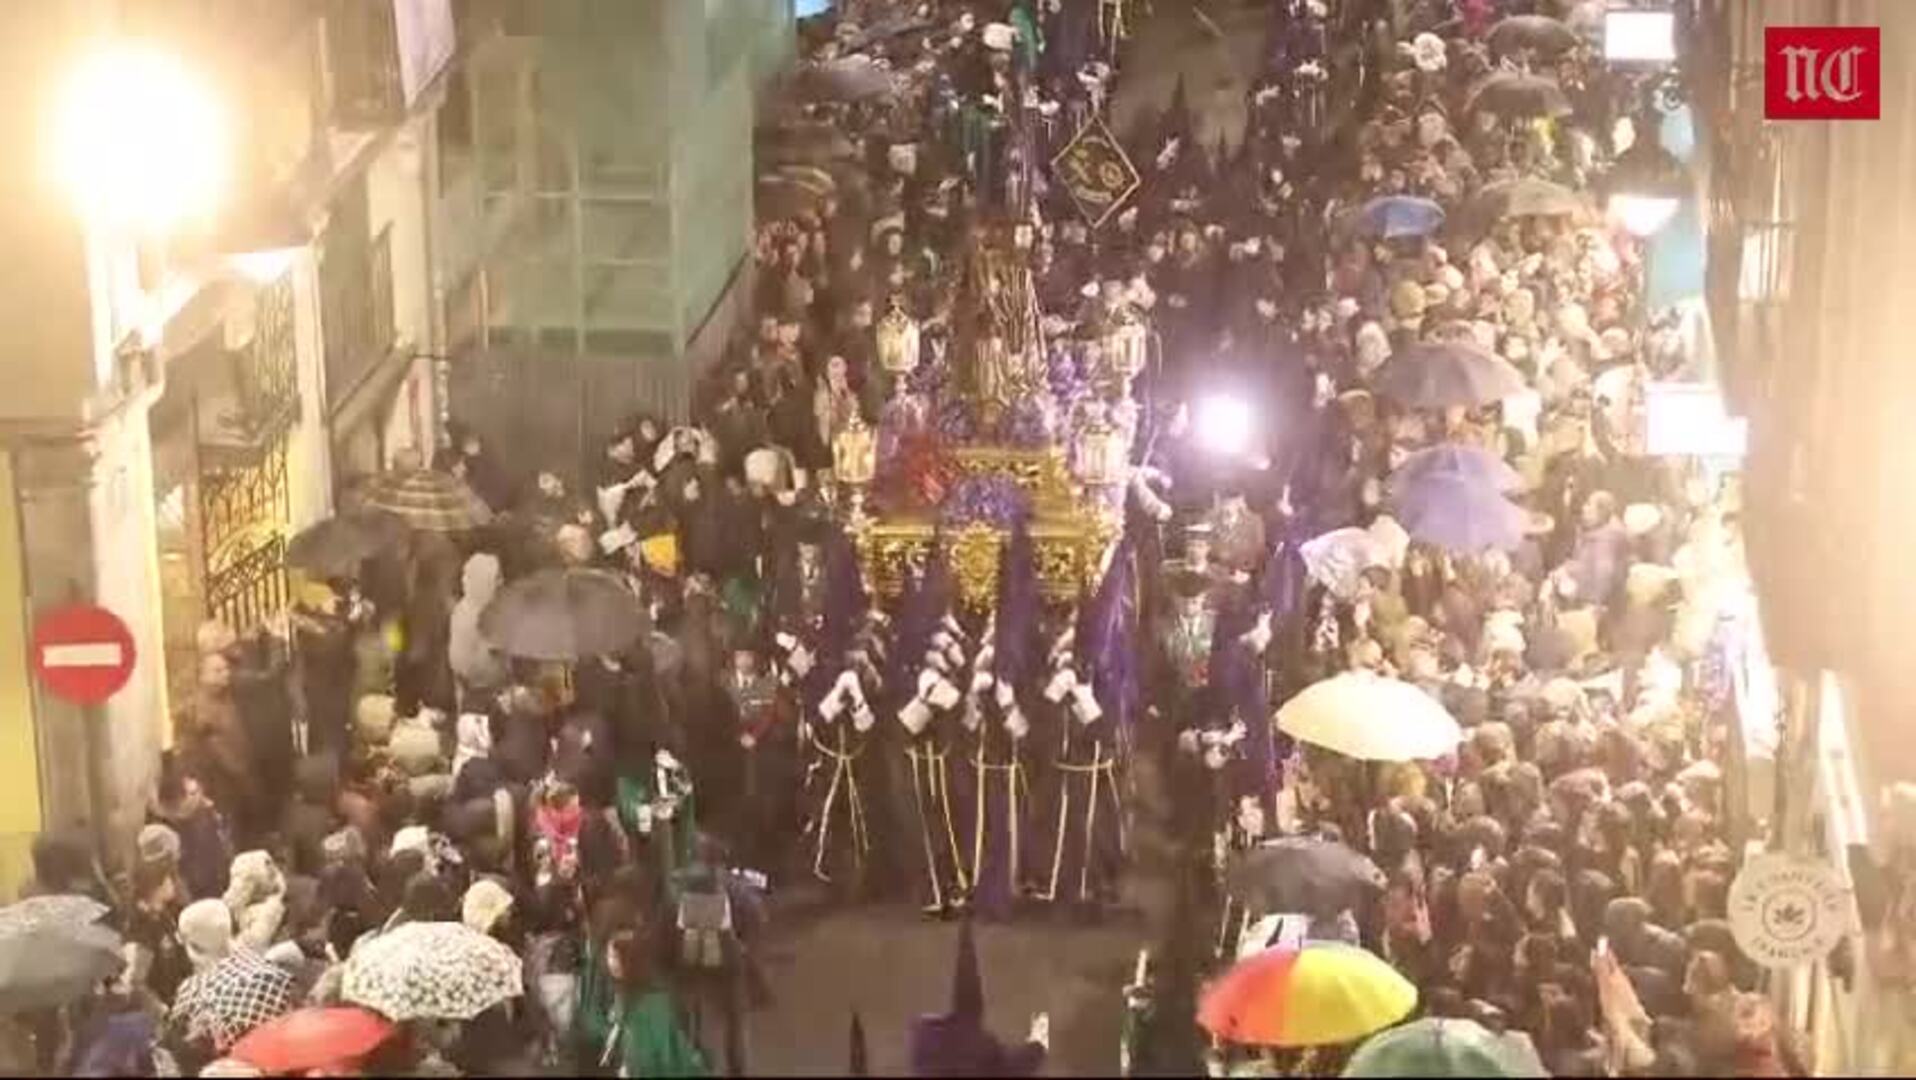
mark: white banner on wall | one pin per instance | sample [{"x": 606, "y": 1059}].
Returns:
[{"x": 426, "y": 42}]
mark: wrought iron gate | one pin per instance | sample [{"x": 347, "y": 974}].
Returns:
[{"x": 245, "y": 499}]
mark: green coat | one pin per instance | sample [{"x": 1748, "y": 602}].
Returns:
[
  {"x": 598, "y": 999},
  {"x": 674, "y": 839},
  {"x": 652, "y": 1041}
]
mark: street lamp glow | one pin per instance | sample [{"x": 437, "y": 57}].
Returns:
[
  {"x": 1643, "y": 216},
  {"x": 1223, "y": 424},
  {"x": 142, "y": 142}
]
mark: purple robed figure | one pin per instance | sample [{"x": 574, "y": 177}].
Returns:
[
  {"x": 1095, "y": 688},
  {"x": 837, "y": 828},
  {"x": 995, "y": 717},
  {"x": 928, "y": 716},
  {"x": 955, "y": 1043}
]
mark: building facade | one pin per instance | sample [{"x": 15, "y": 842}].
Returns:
[{"x": 192, "y": 398}]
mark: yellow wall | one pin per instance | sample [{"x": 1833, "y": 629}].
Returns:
[{"x": 19, "y": 745}]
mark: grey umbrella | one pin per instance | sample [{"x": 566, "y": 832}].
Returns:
[
  {"x": 1526, "y": 197},
  {"x": 1538, "y": 32},
  {"x": 1302, "y": 875},
  {"x": 1519, "y": 94},
  {"x": 44, "y": 965},
  {"x": 563, "y": 615},
  {"x": 1440, "y": 375},
  {"x": 852, "y": 78}
]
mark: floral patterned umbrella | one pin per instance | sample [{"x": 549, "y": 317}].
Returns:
[
  {"x": 432, "y": 971},
  {"x": 231, "y": 998}
]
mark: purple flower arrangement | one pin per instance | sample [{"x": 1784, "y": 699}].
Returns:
[{"x": 988, "y": 498}]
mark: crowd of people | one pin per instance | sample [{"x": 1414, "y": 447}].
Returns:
[{"x": 616, "y": 820}]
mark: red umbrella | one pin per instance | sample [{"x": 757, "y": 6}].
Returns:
[{"x": 312, "y": 1039}]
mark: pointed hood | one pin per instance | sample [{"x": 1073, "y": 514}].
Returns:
[
  {"x": 1019, "y": 606},
  {"x": 858, "y": 1063},
  {"x": 967, "y": 985}
]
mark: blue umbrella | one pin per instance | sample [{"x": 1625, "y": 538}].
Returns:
[
  {"x": 1439, "y": 375},
  {"x": 1391, "y": 217},
  {"x": 1460, "y": 460},
  {"x": 1459, "y": 515}
]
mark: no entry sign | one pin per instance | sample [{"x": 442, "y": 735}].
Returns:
[{"x": 83, "y": 653}]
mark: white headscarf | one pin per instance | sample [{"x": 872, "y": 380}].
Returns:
[{"x": 206, "y": 929}]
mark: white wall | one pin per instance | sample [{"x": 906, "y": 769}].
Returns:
[{"x": 309, "y": 454}]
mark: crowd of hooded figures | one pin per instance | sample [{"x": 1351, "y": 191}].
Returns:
[{"x": 477, "y": 856}]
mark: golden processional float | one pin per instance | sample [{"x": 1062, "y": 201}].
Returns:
[{"x": 987, "y": 422}]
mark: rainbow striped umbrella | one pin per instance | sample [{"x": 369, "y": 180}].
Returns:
[{"x": 1320, "y": 993}]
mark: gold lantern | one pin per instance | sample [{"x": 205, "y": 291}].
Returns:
[
  {"x": 1127, "y": 345},
  {"x": 855, "y": 460},
  {"x": 1101, "y": 458},
  {"x": 897, "y": 342}
]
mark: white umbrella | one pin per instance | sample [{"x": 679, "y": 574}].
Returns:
[
  {"x": 432, "y": 971},
  {"x": 1367, "y": 716}
]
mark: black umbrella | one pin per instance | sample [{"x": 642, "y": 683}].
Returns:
[
  {"x": 338, "y": 545},
  {"x": 1440, "y": 375},
  {"x": 805, "y": 140},
  {"x": 563, "y": 615},
  {"x": 1519, "y": 94},
  {"x": 886, "y": 29},
  {"x": 1302, "y": 875},
  {"x": 1537, "y": 32}
]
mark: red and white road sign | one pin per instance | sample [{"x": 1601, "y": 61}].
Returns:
[{"x": 83, "y": 653}]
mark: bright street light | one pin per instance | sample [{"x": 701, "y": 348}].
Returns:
[
  {"x": 1647, "y": 186},
  {"x": 1223, "y": 424},
  {"x": 1643, "y": 216},
  {"x": 1639, "y": 36},
  {"x": 143, "y": 143}
]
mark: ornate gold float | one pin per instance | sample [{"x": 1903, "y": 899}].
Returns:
[{"x": 998, "y": 359}]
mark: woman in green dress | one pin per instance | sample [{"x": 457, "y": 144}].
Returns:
[{"x": 648, "y": 1037}]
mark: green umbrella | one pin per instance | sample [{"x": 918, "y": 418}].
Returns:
[{"x": 1434, "y": 1047}]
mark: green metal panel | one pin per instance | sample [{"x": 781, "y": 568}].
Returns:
[{"x": 623, "y": 142}]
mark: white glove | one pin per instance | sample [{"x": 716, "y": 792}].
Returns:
[
  {"x": 1061, "y": 684},
  {"x": 981, "y": 682},
  {"x": 1084, "y": 705},
  {"x": 1006, "y": 698},
  {"x": 833, "y": 704},
  {"x": 848, "y": 685},
  {"x": 1016, "y": 724},
  {"x": 801, "y": 661},
  {"x": 862, "y": 718},
  {"x": 915, "y": 715},
  {"x": 944, "y": 695}
]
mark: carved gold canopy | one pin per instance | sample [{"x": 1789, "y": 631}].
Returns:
[{"x": 1068, "y": 539}]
